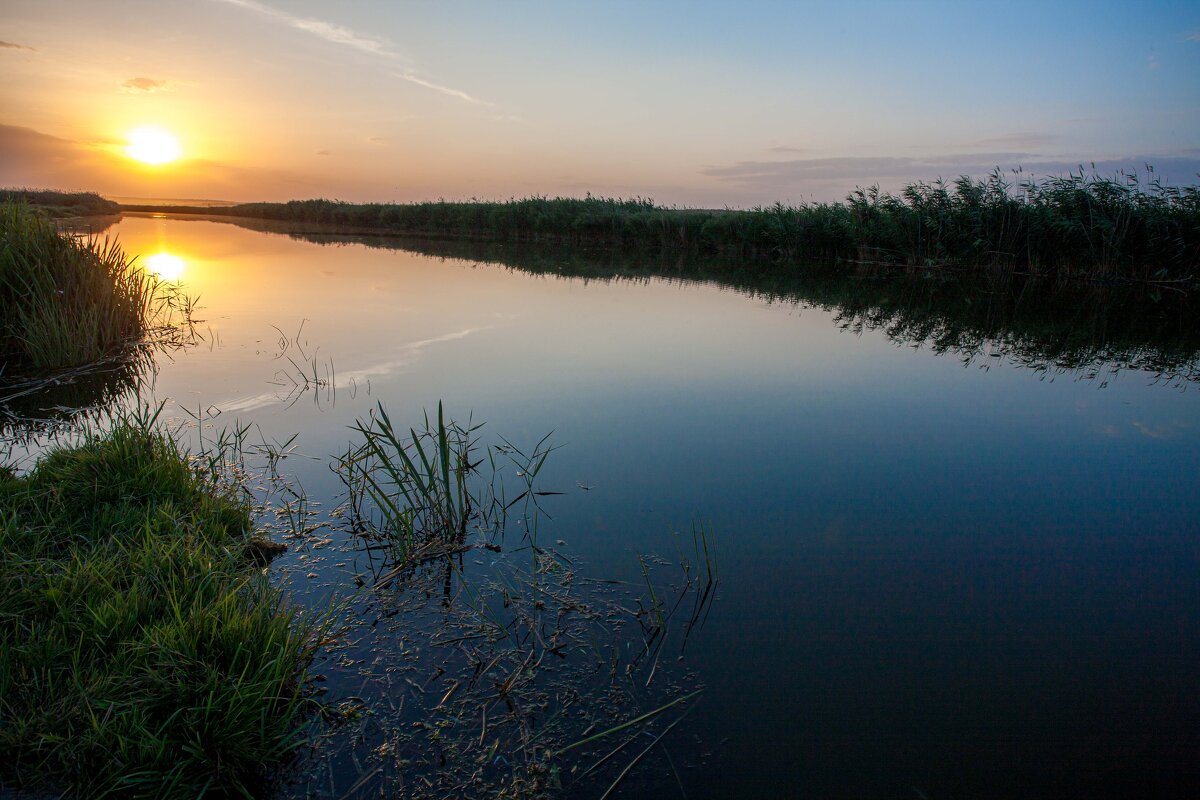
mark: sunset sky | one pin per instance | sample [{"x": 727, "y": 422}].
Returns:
[{"x": 691, "y": 103}]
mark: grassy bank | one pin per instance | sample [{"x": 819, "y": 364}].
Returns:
[
  {"x": 141, "y": 651},
  {"x": 61, "y": 204},
  {"x": 64, "y": 301},
  {"x": 1080, "y": 225}
]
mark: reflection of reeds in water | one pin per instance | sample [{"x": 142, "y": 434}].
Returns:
[
  {"x": 1080, "y": 328},
  {"x": 66, "y": 399}
]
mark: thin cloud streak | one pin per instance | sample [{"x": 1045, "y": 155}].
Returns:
[
  {"x": 461, "y": 95},
  {"x": 336, "y": 34},
  {"x": 15, "y": 46},
  {"x": 325, "y": 30}
]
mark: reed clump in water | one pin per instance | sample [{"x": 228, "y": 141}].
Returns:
[
  {"x": 420, "y": 492},
  {"x": 141, "y": 651},
  {"x": 65, "y": 301}
]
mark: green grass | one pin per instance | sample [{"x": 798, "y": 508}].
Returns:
[
  {"x": 142, "y": 653},
  {"x": 1080, "y": 225},
  {"x": 61, "y": 204},
  {"x": 65, "y": 301},
  {"x": 417, "y": 482}
]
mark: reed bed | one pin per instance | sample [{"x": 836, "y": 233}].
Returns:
[
  {"x": 1078, "y": 225},
  {"x": 142, "y": 653},
  {"x": 61, "y": 204},
  {"x": 65, "y": 301}
]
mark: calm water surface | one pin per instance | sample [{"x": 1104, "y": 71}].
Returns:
[{"x": 936, "y": 580}]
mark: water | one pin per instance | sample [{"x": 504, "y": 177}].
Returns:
[{"x": 951, "y": 565}]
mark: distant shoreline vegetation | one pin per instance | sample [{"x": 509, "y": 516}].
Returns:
[
  {"x": 1080, "y": 225},
  {"x": 61, "y": 204}
]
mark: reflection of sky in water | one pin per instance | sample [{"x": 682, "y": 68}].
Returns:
[{"x": 923, "y": 565}]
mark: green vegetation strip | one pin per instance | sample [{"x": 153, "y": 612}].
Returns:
[
  {"x": 61, "y": 204},
  {"x": 65, "y": 301},
  {"x": 1081, "y": 225},
  {"x": 142, "y": 650}
]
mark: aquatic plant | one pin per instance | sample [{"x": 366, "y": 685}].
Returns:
[
  {"x": 425, "y": 490},
  {"x": 142, "y": 653},
  {"x": 418, "y": 483},
  {"x": 65, "y": 301}
]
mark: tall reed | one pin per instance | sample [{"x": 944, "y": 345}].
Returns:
[
  {"x": 65, "y": 301},
  {"x": 422, "y": 490}
]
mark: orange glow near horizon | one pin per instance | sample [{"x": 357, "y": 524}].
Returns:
[{"x": 153, "y": 146}]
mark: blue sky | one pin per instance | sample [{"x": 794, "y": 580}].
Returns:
[{"x": 691, "y": 103}]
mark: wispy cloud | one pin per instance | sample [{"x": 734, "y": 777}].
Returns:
[
  {"x": 15, "y": 46},
  {"x": 1194, "y": 36},
  {"x": 337, "y": 34},
  {"x": 148, "y": 85},
  {"x": 325, "y": 30},
  {"x": 437, "y": 87}
]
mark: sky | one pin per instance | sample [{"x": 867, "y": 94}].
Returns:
[{"x": 709, "y": 104}]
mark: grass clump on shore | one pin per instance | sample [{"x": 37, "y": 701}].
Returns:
[
  {"x": 65, "y": 301},
  {"x": 142, "y": 653}
]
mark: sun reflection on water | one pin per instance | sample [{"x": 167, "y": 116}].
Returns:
[{"x": 166, "y": 266}]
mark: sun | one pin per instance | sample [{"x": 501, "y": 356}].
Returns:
[{"x": 152, "y": 146}]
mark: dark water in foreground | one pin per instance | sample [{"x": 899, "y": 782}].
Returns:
[{"x": 958, "y": 539}]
